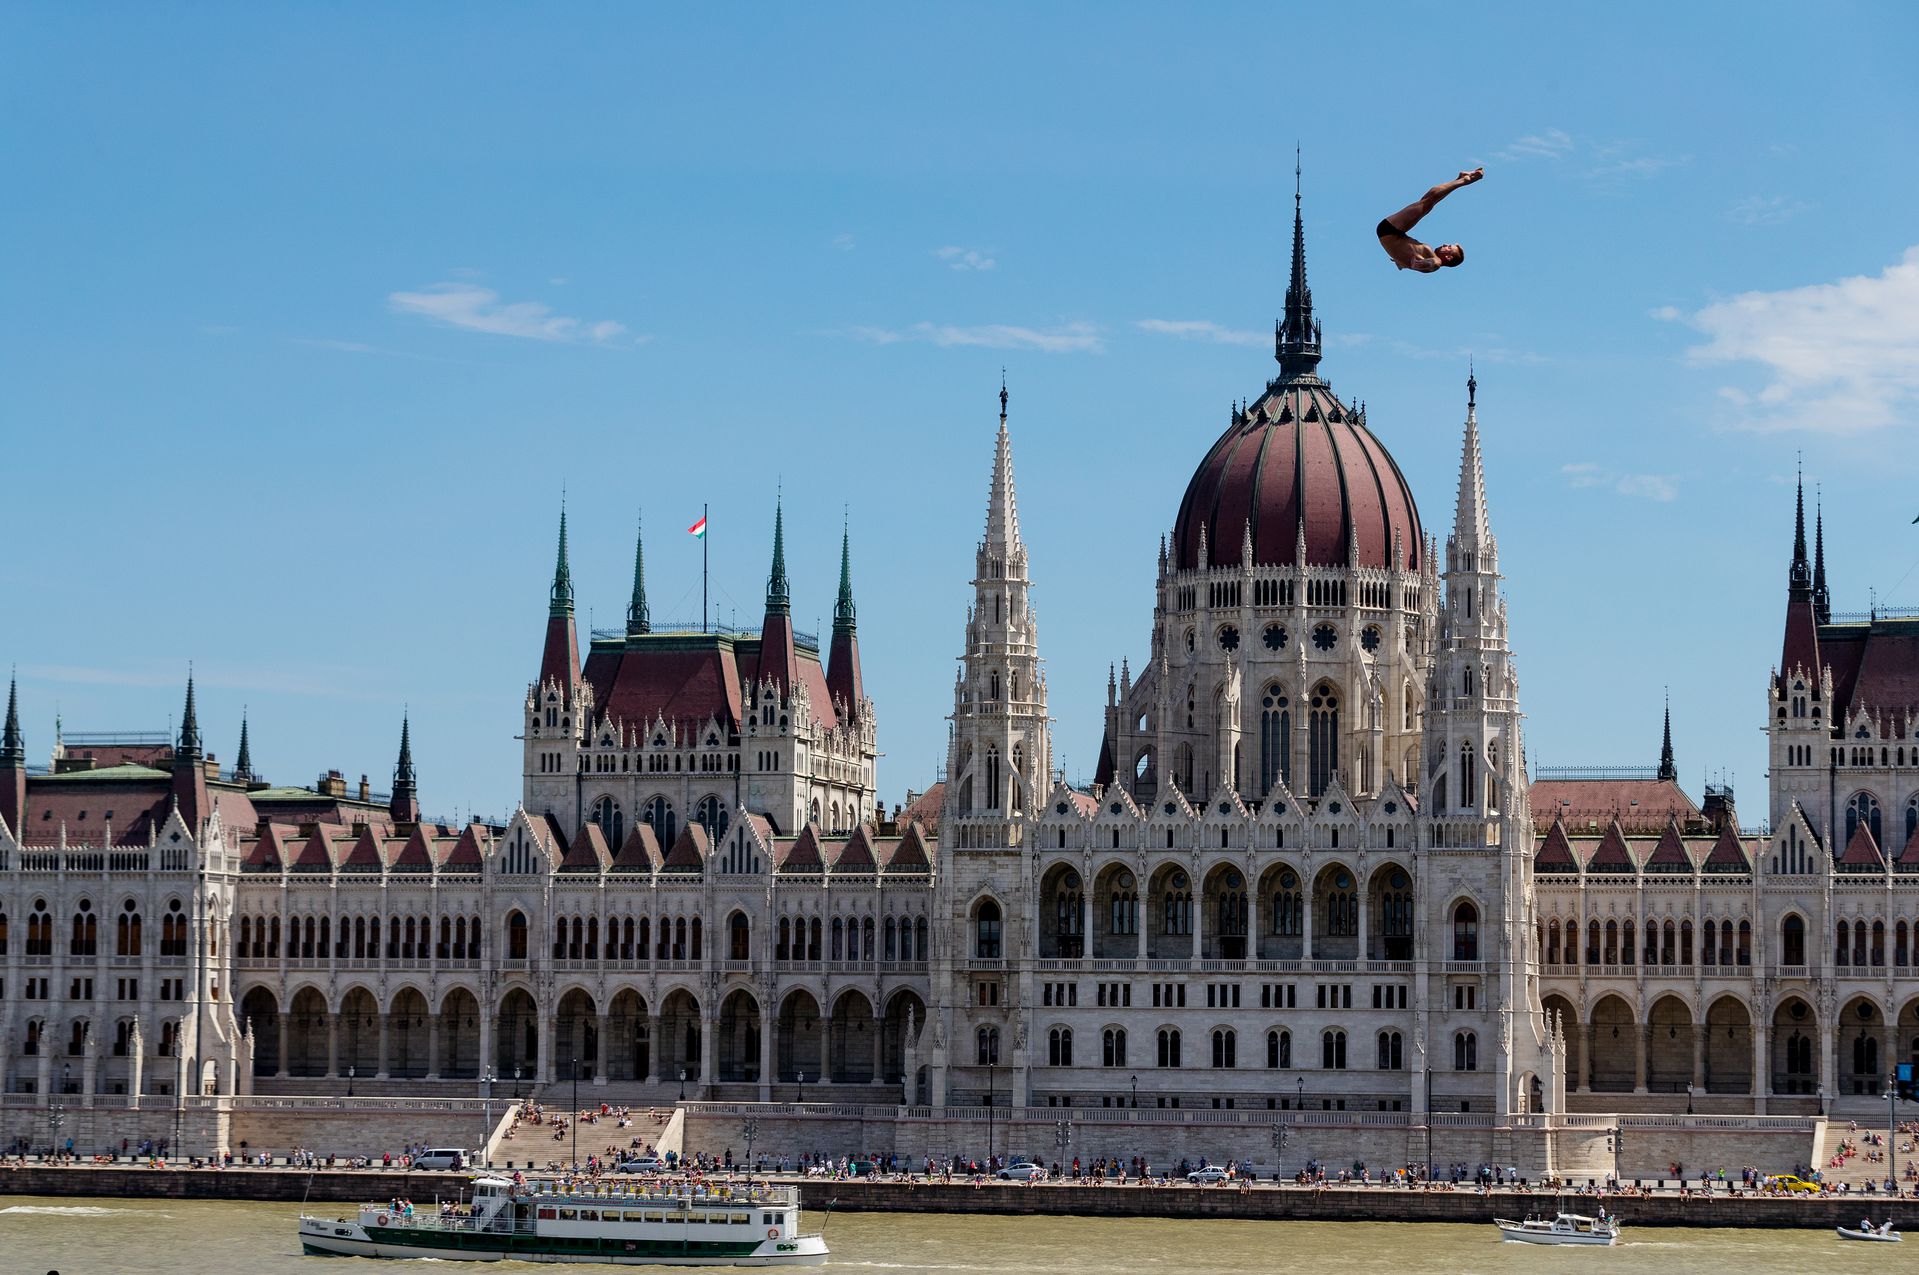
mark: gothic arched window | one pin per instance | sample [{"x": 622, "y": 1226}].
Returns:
[
  {"x": 1322, "y": 739},
  {"x": 1275, "y": 740},
  {"x": 612, "y": 820},
  {"x": 665, "y": 824},
  {"x": 1864, "y": 808}
]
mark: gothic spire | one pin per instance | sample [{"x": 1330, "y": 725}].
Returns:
[
  {"x": 189, "y": 745},
  {"x": 13, "y": 748},
  {"x": 843, "y": 610},
  {"x": 778, "y": 598},
  {"x": 243, "y": 760},
  {"x": 1821, "y": 600},
  {"x": 405, "y": 803},
  {"x": 638, "y": 619},
  {"x": 1002, "y": 510},
  {"x": 1296, "y": 337},
  {"x": 1801, "y": 574},
  {"x": 562, "y": 594},
  {"x": 1668, "y": 770},
  {"x": 1471, "y": 529}
]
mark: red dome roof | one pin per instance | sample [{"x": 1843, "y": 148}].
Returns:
[{"x": 1298, "y": 457}]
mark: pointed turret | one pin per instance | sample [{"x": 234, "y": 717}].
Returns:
[
  {"x": 560, "y": 659},
  {"x": 1821, "y": 600},
  {"x": 779, "y": 659},
  {"x": 1800, "y": 650},
  {"x": 405, "y": 805},
  {"x": 243, "y": 760},
  {"x": 843, "y": 678},
  {"x": 1668, "y": 770},
  {"x": 13, "y": 764},
  {"x": 1471, "y": 531},
  {"x": 1296, "y": 338},
  {"x": 1002, "y": 507},
  {"x": 638, "y": 618},
  {"x": 189, "y": 769}
]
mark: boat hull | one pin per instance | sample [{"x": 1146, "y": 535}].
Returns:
[
  {"x": 1521, "y": 1235},
  {"x": 1872, "y": 1237},
  {"x": 321, "y": 1237}
]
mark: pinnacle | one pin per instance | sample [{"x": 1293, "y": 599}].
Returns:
[
  {"x": 778, "y": 597},
  {"x": 13, "y": 750},
  {"x": 1470, "y": 526},
  {"x": 638, "y": 618},
  {"x": 1002, "y": 509},
  {"x": 561, "y": 598},
  {"x": 843, "y": 609}
]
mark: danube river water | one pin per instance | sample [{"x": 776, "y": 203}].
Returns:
[{"x": 160, "y": 1237}]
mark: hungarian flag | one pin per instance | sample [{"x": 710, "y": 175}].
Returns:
[{"x": 698, "y": 528}]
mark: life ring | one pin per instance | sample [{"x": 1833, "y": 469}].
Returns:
[
  {"x": 772, "y": 1232},
  {"x": 382, "y": 1219}
]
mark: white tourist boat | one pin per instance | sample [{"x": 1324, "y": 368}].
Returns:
[
  {"x": 1567, "y": 1228},
  {"x": 634, "y": 1223},
  {"x": 1876, "y": 1234}
]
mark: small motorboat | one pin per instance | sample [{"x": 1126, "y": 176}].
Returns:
[
  {"x": 1567, "y": 1228},
  {"x": 1876, "y": 1234}
]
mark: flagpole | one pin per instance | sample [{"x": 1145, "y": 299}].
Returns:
[{"x": 703, "y": 551}]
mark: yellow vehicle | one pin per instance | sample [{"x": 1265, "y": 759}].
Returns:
[{"x": 1792, "y": 1183}]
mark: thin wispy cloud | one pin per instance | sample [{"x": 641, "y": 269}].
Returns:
[
  {"x": 1835, "y": 357},
  {"x": 1586, "y": 474},
  {"x": 1067, "y": 338},
  {"x": 1200, "y": 330},
  {"x": 1552, "y": 143},
  {"x": 1765, "y": 210},
  {"x": 845, "y": 243},
  {"x": 462, "y": 304},
  {"x": 957, "y": 258},
  {"x": 1603, "y": 163}
]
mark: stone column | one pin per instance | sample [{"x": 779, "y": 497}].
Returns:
[
  {"x": 879, "y": 1055},
  {"x": 1199, "y": 922},
  {"x": 1141, "y": 923},
  {"x": 332, "y": 1046},
  {"x": 1365, "y": 919},
  {"x": 543, "y": 1073},
  {"x": 767, "y": 1026},
  {"x": 1761, "y": 1066},
  {"x": 1642, "y": 1042},
  {"x": 435, "y": 1024},
  {"x": 1889, "y": 1056},
  {"x": 653, "y": 1049},
  {"x": 486, "y": 1042},
  {"x": 136, "y": 1066},
  {"x": 599, "y": 1049},
  {"x": 1305, "y": 918},
  {"x": 1699, "y": 1058},
  {"x": 1085, "y": 920},
  {"x": 284, "y": 1026},
  {"x": 706, "y": 1069},
  {"x": 380, "y": 1063},
  {"x": 1585, "y": 1057}
]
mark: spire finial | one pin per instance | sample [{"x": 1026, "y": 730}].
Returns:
[
  {"x": 1668, "y": 770},
  {"x": 1472, "y": 385},
  {"x": 560, "y": 600},
  {"x": 1296, "y": 343},
  {"x": 403, "y": 768},
  {"x": 243, "y": 760},
  {"x": 843, "y": 612},
  {"x": 1002, "y": 396},
  {"x": 189, "y": 723},
  {"x": 13, "y": 748},
  {"x": 638, "y": 618},
  {"x": 778, "y": 599},
  {"x": 1801, "y": 574}
]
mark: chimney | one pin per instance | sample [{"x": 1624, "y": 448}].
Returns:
[{"x": 366, "y": 789}]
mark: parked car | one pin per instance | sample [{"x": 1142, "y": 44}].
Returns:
[
  {"x": 639, "y": 1164},
  {"x": 1022, "y": 1171},
  {"x": 441, "y": 1158},
  {"x": 1207, "y": 1176},
  {"x": 1792, "y": 1182}
]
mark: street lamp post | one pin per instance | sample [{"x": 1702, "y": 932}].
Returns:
[
  {"x": 486, "y": 1119},
  {"x": 1135, "y": 1080},
  {"x": 350, "y": 1071},
  {"x": 516, "y": 1082},
  {"x": 1063, "y": 1135},
  {"x": 682, "y": 1084},
  {"x": 1688, "y": 1097},
  {"x": 802, "y": 1076}
]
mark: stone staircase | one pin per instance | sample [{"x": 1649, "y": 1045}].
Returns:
[{"x": 1856, "y": 1170}]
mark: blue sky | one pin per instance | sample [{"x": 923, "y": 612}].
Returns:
[{"x": 310, "y": 313}]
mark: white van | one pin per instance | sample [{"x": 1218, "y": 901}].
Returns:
[{"x": 440, "y": 1158}]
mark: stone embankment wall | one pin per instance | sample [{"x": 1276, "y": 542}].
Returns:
[{"x": 1266, "y": 1203}]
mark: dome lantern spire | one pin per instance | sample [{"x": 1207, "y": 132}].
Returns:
[{"x": 1296, "y": 337}]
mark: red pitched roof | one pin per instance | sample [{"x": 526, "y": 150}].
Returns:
[
  {"x": 465, "y": 855},
  {"x": 588, "y": 853},
  {"x": 802, "y": 854},
  {"x": 1612, "y": 855},
  {"x": 926, "y": 808},
  {"x": 1640, "y": 805},
  {"x": 640, "y": 852},
  {"x": 316, "y": 853},
  {"x": 910, "y": 854},
  {"x": 1555, "y": 852},
  {"x": 365, "y": 855},
  {"x": 1670, "y": 854},
  {"x": 1909, "y": 857},
  {"x": 417, "y": 854},
  {"x": 1875, "y": 665},
  {"x": 1728, "y": 854},
  {"x": 855, "y": 854},
  {"x": 269, "y": 851},
  {"x": 689, "y": 850},
  {"x": 1862, "y": 851},
  {"x": 684, "y": 679}
]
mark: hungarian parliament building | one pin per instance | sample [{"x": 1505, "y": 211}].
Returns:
[{"x": 1313, "y": 869}]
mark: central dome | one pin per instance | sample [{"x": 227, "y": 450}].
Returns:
[
  {"x": 1297, "y": 462},
  {"x": 1299, "y": 459}
]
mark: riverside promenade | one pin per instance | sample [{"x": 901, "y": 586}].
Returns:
[{"x": 1262, "y": 1202}]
